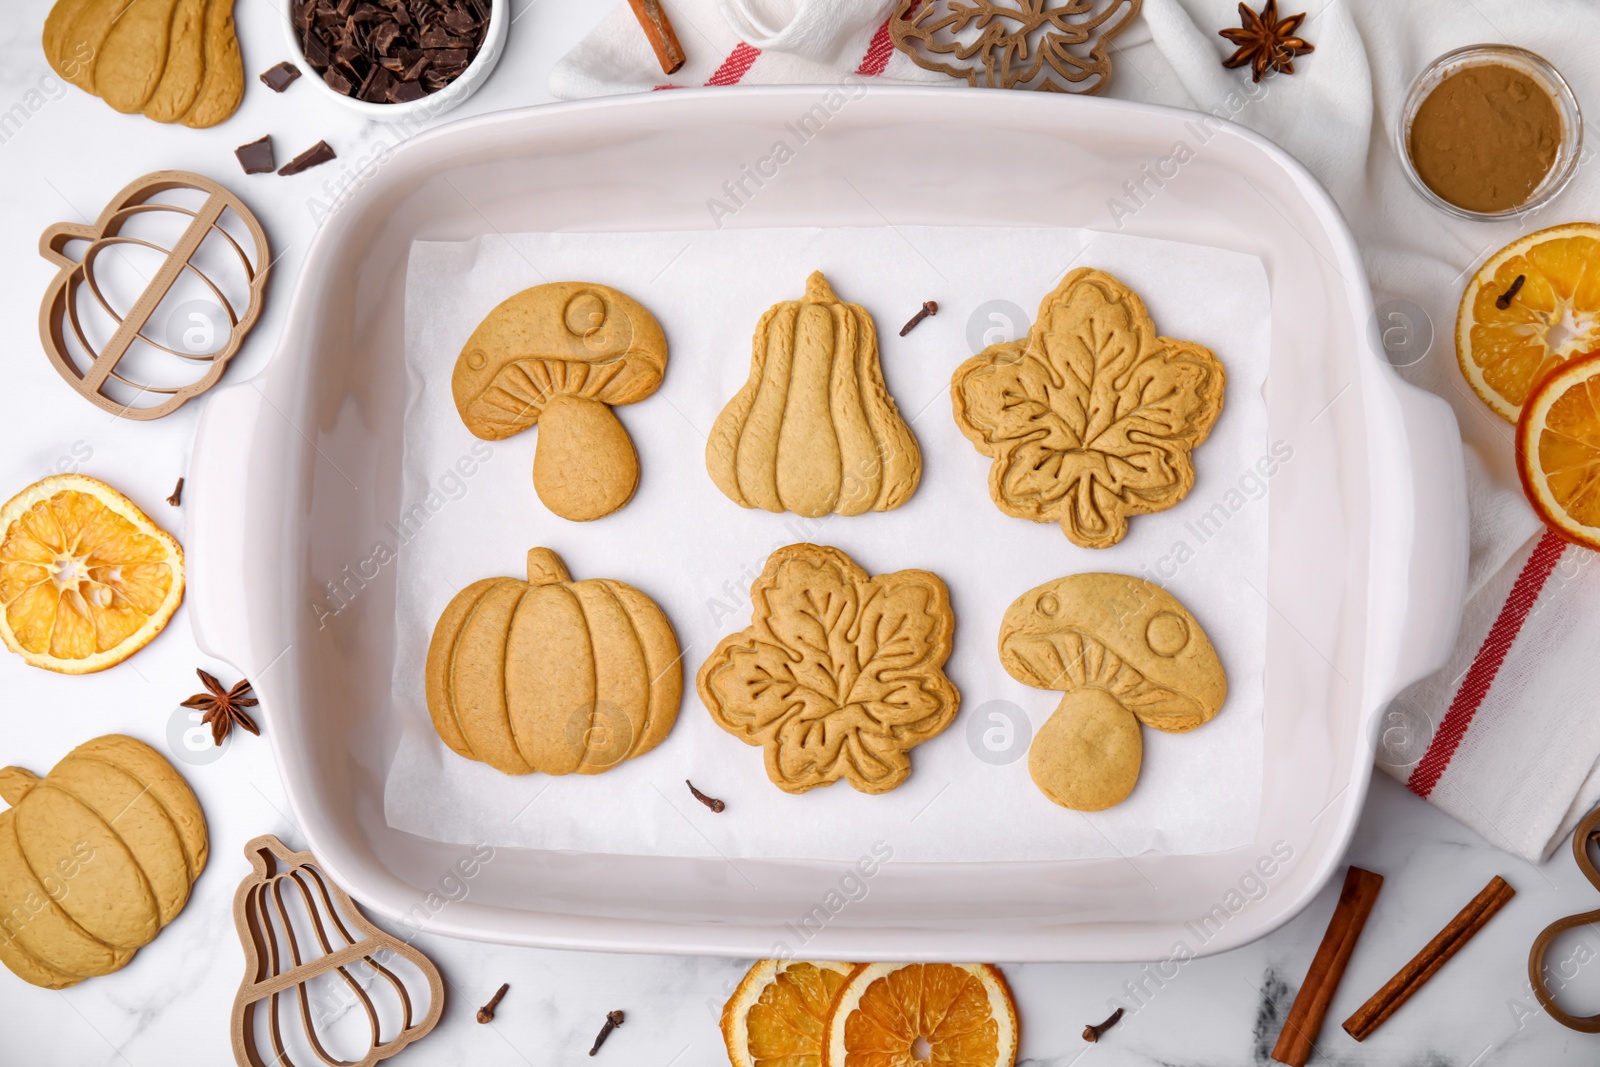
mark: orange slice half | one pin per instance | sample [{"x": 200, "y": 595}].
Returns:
[
  {"x": 777, "y": 1016},
  {"x": 912, "y": 1014},
  {"x": 86, "y": 579},
  {"x": 1558, "y": 450},
  {"x": 1552, "y": 317}
]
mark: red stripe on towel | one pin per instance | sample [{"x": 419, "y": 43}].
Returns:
[
  {"x": 735, "y": 66},
  {"x": 1486, "y": 664},
  {"x": 878, "y": 52}
]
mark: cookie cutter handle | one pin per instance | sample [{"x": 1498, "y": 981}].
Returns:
[
  {"x": 235, "y": 484},
  {"x": 1587, "y": 831},
  {"x": 1419, "y": 579}
]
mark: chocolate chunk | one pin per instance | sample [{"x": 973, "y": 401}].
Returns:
[
  {"x": 383, "y": 35},
  {"x": 376, "y": 89},
  {"x": 314, "y": 156},
  {"x": 280, "y": 77},
  {"x": 337, "y": 81},
  {"x": 419, "y": 65},
  {"x": 406, "y": 91},
  {"x": 439, "y": 37},
  {"x": 316, "y": 49},
  {"x": 256, "y": 157}
]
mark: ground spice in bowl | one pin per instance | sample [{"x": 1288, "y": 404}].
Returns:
[
  {"x": 1489, "y": 129},
  {"x": 1485, "y": 138}
]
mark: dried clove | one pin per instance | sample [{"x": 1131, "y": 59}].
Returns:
[
  {"x": 177, "y": 494},
  {"x": 928, "y": 308},
  {"x": 711, "y": 802},
  {"x": 486, "y": 1013},
  {"x": 1503, "y": 301},
  {"x": 1092, "y": 1033},
  {"x": 613, "y": 1020}
]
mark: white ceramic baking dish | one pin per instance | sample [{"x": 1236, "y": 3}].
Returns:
[{"x": 294, "y": 472}]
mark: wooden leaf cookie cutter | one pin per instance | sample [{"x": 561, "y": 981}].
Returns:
[
  {"x": 1588, "y": 830},
  {"x": 59, "y": 320},
  {"x": 267, "y": 978},
  {"x": 1056, "y": 45}
]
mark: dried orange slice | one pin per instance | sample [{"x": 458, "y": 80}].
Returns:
[
  {"x": 906, "y": 1014},
  {"x": 86, "y": 579},
  {"x": 1552, "y": 317},
  {"x": 777, "y": 1016},
  {"x": 1558, "y": 450}
]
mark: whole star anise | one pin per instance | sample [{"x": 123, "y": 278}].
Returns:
[
  {"x": 1266, "y": 42},
  {"x": 224, "y": 707}
]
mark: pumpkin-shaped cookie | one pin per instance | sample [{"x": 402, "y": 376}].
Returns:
[
  {"x": 814, "y": 430},
  {"x": 95, "y": 858},
  {"x": 1124, "y": 652},
  {"x": 553, "y": 675},
  {"x": 559, "y": 356}
]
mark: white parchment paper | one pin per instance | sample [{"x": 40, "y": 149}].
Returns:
[{"x": 969, "y": 797}]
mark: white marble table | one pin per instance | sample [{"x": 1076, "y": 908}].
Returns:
[{"x": 61, "y": 155}]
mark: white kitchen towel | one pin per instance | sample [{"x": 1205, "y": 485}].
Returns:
[
  {"x": 732, "y": 42},
  {"x": 1507, "y": 737}
]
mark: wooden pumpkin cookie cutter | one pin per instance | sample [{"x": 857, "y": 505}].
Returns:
[
  {"x": 1588, "y": 830},
  {"x": 60, "y": 325},
  {"x": 260, "y": 903}
]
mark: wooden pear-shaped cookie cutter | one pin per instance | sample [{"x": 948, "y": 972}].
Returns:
[
  {"x": 59, "y": 312},
  {"x": 266, "y": 978},
  {"x": 1588, "y": 830}
]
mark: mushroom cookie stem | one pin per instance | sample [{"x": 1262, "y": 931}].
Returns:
[
  {"x": 584, "y": 464},
  {"x": 562, "y": 355},
  {"x": 1124, "y": 651}
]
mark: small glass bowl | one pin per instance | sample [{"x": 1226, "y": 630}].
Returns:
[{"x": 1535, "y": 67}]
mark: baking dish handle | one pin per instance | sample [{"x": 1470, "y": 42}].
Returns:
[
  {"x": 227, "y": 529},
  {"x": 1430, "y": 579}
]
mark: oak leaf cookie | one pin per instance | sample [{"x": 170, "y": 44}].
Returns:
[
  {"x": 1090, "y": 418},
  {"x": 552, "y": 675},
  {"x": 839, "y": 674},
  {"x": 95, "y": 859},
  {"x": 814, "y": 430},
  {"x": 1124, "y": 652},
  {"x": 559, "y": 356}
]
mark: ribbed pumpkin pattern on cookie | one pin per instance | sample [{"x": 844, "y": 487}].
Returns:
[
  {"x": 553, "y": 675},
  {"x": 814, "y": 430},
  {"x": 95, "y": 858}
]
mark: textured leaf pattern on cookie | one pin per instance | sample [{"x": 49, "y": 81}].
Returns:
[
  {"x": 1092, "y": 417},
  {"x": 839, "y": 674}
]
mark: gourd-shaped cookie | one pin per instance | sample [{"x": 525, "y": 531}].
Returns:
[
  {"x": 552, "y": 675},
  {"x": 559, "y": 356},
  {"x": 1124, "y": 652},
  {"x": 1090, "y": 418},
  {"x": 814, "y": 430},
  {"x": 839, "y": 674},
  {"x": 95, "y": 858}
]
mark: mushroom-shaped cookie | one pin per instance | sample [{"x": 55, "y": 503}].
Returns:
[
  {"x": 1125, "y": 652},
  {"x": 559, "y": 356}
]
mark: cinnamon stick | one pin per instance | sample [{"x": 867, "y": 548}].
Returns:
[
  {"x": 658, "y": 28},
  {"x": 1399, "y": 989},
  {"x": 1327, "y": 967}
]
